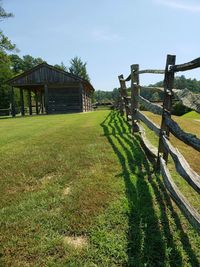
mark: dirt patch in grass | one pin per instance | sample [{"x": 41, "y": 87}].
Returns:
[
  {"x": 47, "y": 178},
  {"x": 77, "y": 242},
  {"x": 67, "y": 191}
]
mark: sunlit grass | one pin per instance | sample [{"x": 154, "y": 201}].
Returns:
[
  {"x": 84, "y": 175},
  {"x": 192, "y": 115}
]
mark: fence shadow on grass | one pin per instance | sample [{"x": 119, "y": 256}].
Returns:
[{"x": 149, "y": 243}]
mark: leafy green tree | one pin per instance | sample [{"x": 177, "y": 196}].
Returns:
[
  {"x": 3, "y": 13},
  {"x": 5, "y": 43},
  {"x": 61, "y": 66},
  {"x": 106, "y": 96},
  {"x": 23, "y": 64},
  {"x": 38, "y": 60},
  {"x": 77, "y": 67},
  {"x": 5, "y": 64},
  {"x": 180, "y": 82},
  {"x": 16, "y": 63},
  {"x": 28, "y": 62},
  {"x": 5, "y": 74}
]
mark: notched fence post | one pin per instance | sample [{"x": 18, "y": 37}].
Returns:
[
  {"x": 135, "y": 92},
  {"x": 167, "y": 105},
  {"x": 124, "y": 95},
  {"x": 121, "y": 102}
]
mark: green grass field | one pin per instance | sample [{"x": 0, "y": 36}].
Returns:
[
  {"x": 77, "y": 190},
  {"x": 192, "y": 115}
]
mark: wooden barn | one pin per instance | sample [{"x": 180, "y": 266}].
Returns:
[{"x": 51, "y": 91}]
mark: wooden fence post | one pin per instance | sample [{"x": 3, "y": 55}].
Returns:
[
  {"x": 135, "y": 92},
  {"x": 121, "y": 102},
  {"x": 167, "y": 104},
  {"x": 124, "y": 95}
]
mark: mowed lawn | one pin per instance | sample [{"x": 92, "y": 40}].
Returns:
[{"x": 77, "y": 190}]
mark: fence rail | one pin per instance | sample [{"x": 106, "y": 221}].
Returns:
[{"x": 160, "y": 154}]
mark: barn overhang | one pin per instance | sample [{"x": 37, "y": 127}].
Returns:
[{"x": 45, "y": 74}]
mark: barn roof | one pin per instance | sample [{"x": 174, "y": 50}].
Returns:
[{"x": 46, "y": 74}]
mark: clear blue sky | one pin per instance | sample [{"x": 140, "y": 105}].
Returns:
[{"x": 109, "y": 35}]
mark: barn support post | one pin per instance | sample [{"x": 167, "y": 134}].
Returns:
[
  {"x": 36, "y": 102},
  {"x": 30, "y": 102},
  {"x": 135, "y": 92},
  {"x": 167, "y": 105},
  {"x": 22, "y": 101},
  {"x": 46, "y": 94},
  {"x": 41, "y": 102},
  {"x": 13, "y": 110}
]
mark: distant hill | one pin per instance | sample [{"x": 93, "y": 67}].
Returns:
[
  {"x": 192, "y": 115},
  {"x": 181, "y": 82}
]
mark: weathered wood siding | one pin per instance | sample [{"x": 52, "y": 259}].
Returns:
[
  {"x": 87, "y": 101},
  {"x": 44, "y": 75},
  {"x": 64, "y": 100}
]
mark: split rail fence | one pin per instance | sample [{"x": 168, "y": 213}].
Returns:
[{"x": 131, "y": 106}]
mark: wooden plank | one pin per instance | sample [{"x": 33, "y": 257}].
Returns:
[
  {"x": 186, "y": 66},
  {"x": 156, "y": 109},
  {"x": 151, "y": 125},
  {"x": 150, "y": 71},
  {"x": 159, "y": 89},
  {"x": 182, "y": 166},
  {"x": 190, "y": 213},
  {"x": 152, "y": 150},
  {"x": 188, "y": 138},
  {"x": 127, "y": 79}
]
